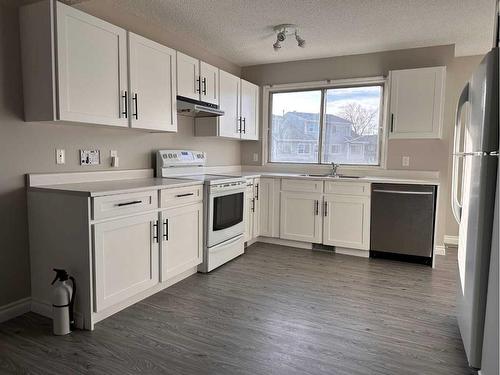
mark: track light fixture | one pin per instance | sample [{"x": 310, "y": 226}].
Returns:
[{"x": 286, "y": 29}]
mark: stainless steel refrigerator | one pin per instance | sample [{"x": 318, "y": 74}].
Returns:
[{"x": 475, "y": 160}]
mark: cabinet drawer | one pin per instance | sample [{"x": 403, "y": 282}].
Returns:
[
  {"x": 124, "y": 204},
  {"x": 180, "y": 196},
  {"x": 347, "y": 188},
  {"x": 302, "y": 185}
]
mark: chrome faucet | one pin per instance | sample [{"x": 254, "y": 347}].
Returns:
[{"x": 333, "y": 172}]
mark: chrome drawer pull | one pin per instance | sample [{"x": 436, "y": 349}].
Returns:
[
  {"x": 128, "y": 203},
  {"x": 184, "y": 195}
]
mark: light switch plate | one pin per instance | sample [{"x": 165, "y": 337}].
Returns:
[
  {"x": 60, "y": 156},
  {"x": 405, "y": 161},
  {"x": 90, "y": 157}
]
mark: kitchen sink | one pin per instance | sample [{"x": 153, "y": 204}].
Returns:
[{"x": 329, "y": 176}]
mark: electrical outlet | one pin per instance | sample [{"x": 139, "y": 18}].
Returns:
[
  {"x": 60, "y": 156},
  {"x": 90, "y": 157},
  {"x": 405, "y": 161},
  {"x": 113, "y": 153},
  {"x": 255, "y": 156}
]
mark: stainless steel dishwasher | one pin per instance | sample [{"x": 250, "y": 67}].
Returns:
[{"x": 402, "y": 222}]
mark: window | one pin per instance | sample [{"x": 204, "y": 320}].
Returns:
[
  {"x": 295, "y": 119},
  {"x": 334, "y": 124},
  {"x": 303, "y": 148},
  {"x": 335, "y": 149}
]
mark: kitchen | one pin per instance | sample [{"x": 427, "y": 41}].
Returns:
[{"x": 285, "y": 204}]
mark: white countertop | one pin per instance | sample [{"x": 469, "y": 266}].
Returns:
[
  {"x": 375, "y": 179},
  {"x": 100, "y": 188}
]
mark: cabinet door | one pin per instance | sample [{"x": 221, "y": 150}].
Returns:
[
  {"x": 269, "y": 207},
  {"x": 152, "y": 85},
  {"x": 92, "y": 68},
  {"x": 229, "y": 102},
  {"x": 346, "y": 221},
  {"x": 209, "y": 83},
  {"x": 300, "y": 217},
  {"x": 126, "y": 258},
  {"x": 249, "y": 110},
  {"x": 256, "y": 216},
  {"x": 249, "y": 213},
  {"x": 188, "y": 76},
  {"x": 182, "y": 240},
  {"x": 416, "y": 105}
]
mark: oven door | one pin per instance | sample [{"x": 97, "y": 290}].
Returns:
[{"x": 225, "y": 219}]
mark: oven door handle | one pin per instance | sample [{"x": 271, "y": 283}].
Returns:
[{"x": 228, "y": 242}]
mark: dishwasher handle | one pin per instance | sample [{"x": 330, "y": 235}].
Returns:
[{"x": 404, "y": 192}]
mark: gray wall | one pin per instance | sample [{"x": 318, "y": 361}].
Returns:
[
  {"x": 29, "y": 147},
  {"x": 426, "y": 155}
]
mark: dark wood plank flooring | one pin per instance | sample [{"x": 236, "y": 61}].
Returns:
[{"x": 275, "y": 310}]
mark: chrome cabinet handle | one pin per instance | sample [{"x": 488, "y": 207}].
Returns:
[
  {"x": 128, "y": 203},
  {"x": 125, "y": 104},
  {"x": 257, "y": 191},
  {"x": 392, "y": 122},
  {"x": 197, "y": 86},
  {"x": 204, "y": 86},
  {"x": 165, "y": 230},
  {"x": 325, "y": 213},
  {"x": 244, "y": 125},
  {"x": 316, "y": 207},
  {"x": 238, "y": 125},
  {"x": 136, "y": 114},
  {"x": 155, "y": 231},
  {"x": 253, "y": 204}
]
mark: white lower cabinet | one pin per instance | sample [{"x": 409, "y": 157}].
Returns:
[
  {"x": 126, "y": 258},
  {"x": 181, "y": 240},
  {"x": 300, "y": 216},
  {"x": 248, "y": 213},
  {"x": 346, "y": 221},
  {"x": 269, "y": 207},
  {"x": 252, "y": 210}
]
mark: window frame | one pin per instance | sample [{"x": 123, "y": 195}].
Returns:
[{"x": 267, "y": 106}]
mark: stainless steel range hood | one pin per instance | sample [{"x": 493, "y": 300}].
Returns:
[{"x": 196, "y": 108}]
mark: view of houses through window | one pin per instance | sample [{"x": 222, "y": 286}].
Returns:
[{"x": 347, "y": 126}]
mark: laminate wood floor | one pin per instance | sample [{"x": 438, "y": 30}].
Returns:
[{"x": 274, "y": 310}]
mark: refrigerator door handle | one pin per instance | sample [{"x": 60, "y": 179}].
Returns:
[{"x": 456, "y": 205}]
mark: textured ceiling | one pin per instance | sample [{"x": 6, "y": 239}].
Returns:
[{"x": 241, "y": 30}]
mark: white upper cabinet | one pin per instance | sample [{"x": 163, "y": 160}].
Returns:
[
  {"x": 188, "y": 76},
  {"x": 209, "y": 83},
  {"x": 77, "y": 73},
  {"x": 416, "y": 102},
  {"x": 229, "y": 86},
  {"x": 197, "y": 80},
  {"x": 239, "y": 100},
  {"x": 152, "y": 85},
  {"x": 92, "y": 73},
  {"x": 249, "y": 111}
]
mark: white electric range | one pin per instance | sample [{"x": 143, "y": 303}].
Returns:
[{"x": 223, "y": 197}]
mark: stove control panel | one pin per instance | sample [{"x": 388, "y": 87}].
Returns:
[{"x": 172, "y": 158}]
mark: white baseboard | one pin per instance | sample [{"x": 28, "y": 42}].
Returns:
[
  {"x": 451, "y": 240},
  {"x": 440, "y": 250},
  {"x": 279, "y": 241},
  {"x": 352, "y": 252},
  {"x": 41, "y": 308},
  {"x": 15, "y": 309}
]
